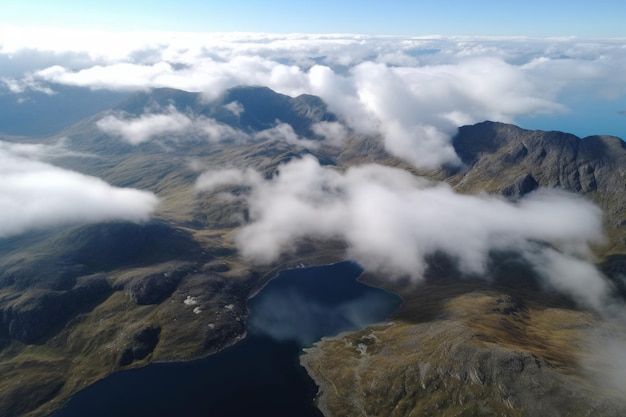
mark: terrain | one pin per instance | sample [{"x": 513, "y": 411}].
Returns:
[
  {"x": 79, "y": 302},
  {"x": 461, "y": 347}
]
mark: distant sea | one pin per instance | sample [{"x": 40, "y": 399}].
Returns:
[{"x": 585, "y": 118}]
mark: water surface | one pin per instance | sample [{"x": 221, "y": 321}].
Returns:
[{"x": 259, "y": 376}]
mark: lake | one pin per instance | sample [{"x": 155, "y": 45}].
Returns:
[{"x": 260, "y": 375}]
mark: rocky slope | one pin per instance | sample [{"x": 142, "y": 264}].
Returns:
[
  {"x": 465, "y": 348},
  {"x": 486, "y": 353},
  {"x": 511, "y": 161},
  {"x": 78, "y": 303}
]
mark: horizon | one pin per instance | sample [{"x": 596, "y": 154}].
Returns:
[
  {"x": 396, "y": 17},
  {"x": 554, "y": 66}
]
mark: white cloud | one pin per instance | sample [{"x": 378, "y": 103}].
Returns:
[
  {"x": 235, "y": 107},
  {"x": 333, "y": 133},
  {"x": 292, "y": 315},
  {"x": 35, "y": 195},
  {"x": 137, "y": 130},
  {"x": 413, "y": 91},
  {"x": 285, "y": 133},
  {"x": 40, "y": 151},
  {"x": 391, "y": 221},
  {"x": 572, "y": 276},
  {"x": 217, "y": 132}
]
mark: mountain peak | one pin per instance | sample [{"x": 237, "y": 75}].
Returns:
[{"x": 155, "y": 98}]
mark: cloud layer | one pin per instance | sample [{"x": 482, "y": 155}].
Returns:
[
  {"x": 392, "y": 221},
  {"x": 169, "y": 122},
  {"x": 413, "y": 91},
  {"x": 35, "y": 194}
]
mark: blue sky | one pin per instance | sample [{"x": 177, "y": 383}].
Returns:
[
  {"x": 602, "y": 18},
  {"x": 538, "y": 64}
]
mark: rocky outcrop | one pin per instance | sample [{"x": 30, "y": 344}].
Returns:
[
  {"x": 520, "y": 187},
  {"x": 36, "y": 314},
  {"x": 552, "y": 159},
  {"x": 487, "y": 354},
  {"x": 505, "y": 159},
  {"x": 142, "y": 344},
  {"x": 155, "y": 288}
]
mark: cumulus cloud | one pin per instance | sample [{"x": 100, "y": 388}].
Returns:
[
  {"x": 35, "y": 194},
  {"x": 284, "y": 132},
  {"x": 412, "y": 91},
  {"x": 40, "y": 151},
  {"x": 333, "y": 133},
  {"x": 391, "y": 221},
  {"x": 171, "y": 122},
  {"x": 573, "y": 276},
  {"x": 235, "y": 107},
  {"x": 137, "y": 130}
]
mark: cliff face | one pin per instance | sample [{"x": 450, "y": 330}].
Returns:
[
  {"x": 511, "y": 161},
  {"x": 464, "y": 348}
]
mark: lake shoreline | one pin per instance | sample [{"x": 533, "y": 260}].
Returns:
[{"x": 288, "y": 314}]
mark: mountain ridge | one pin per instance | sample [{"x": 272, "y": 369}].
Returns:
[
  {"x": 193, "y": 253},
  {"x": 514, "y": 161}
]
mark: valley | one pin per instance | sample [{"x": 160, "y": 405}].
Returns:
[{"x": 82, "y": 300}]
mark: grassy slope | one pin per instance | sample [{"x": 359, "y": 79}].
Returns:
[
  {"x": 91, "y": 344},
  {"x": 189, "y": 243},
  {"x": 468, "y": 348},
  {"x": 474, "y": 357}
]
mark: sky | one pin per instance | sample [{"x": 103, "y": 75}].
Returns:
[
  {"x": 412, "y": 72},
  {"x": 407, "y": 72},
  {"x": 393, "y": 17},
  {"x": 39, "y": 38}
]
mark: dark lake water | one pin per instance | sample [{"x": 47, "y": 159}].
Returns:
[{"x": 259, "y": 376}]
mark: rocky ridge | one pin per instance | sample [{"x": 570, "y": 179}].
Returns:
[{"x": 81, "y": 302}]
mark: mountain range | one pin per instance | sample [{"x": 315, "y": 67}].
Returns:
[{"x": 81, "y": 301}]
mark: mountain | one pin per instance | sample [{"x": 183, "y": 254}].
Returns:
[
  {"x": 511, "y": 161},
  {"x": 250, "y": 109},
  {"x": 80, "y": 302},
  {"x": 462, "y": 347}
]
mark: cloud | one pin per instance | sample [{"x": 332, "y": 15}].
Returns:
[
  {"x": 36, "y": 195},
  {"x": 605, "y": 360},
  {"x": 170, "y": 122},
  {"x": 412, "y": 91},
  {"x": 137, "y": 130},
  {"x": 235, "y": 107},
  {"x": 285, "y": 133},
  {"x": 576, "y": 277},
  {"x": 215, "y": 131},
  {"x": 333, "y": 133},
  {"x": 41, "y": 152},
  {"x": 391, "y": 221}
]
